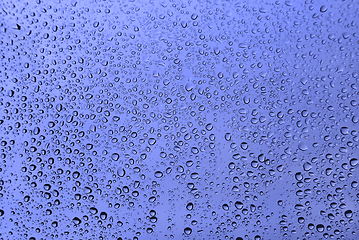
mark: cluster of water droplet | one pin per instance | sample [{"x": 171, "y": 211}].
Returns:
[{"x": 172, "y": 120}]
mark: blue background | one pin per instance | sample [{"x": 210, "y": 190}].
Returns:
[{"x": 179, "y": 119}]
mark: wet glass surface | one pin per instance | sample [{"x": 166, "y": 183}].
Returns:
[{"x": 179, "y": 119}]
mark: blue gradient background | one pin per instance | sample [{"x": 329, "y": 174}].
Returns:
[{"x": 179, "y": 120}]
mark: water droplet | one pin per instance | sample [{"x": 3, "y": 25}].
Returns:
[
  {"x": 320, "y": 228},
  {"x": 76, "y": 221},
  {"x": 227, "y": 136},
  {"x": 121, "y": 172},
  {"x": 189, "y": 206},
  {"x": 239, "y": 205},
  {"x": 115, "y": 156},
  {"x": 244, "y": 145},
  {"x": 302, "y": 146},
  {"x": 93, "y": 210},
  {"x": 344, "y": 130},
  {"x": 158, "y": 174},
  {"x": 307, "y": 166},
  {"x": 323, "y": 8},
  {"x": 194, "y": 150},
  {"x": 348, "y": 213},
  {"x": 151, "y": 141},
  {"x": 353, "y": 162},
  {"x": 188, "y": 231}
]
